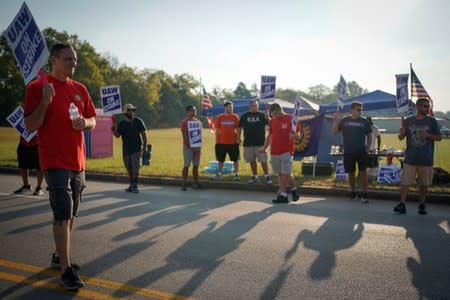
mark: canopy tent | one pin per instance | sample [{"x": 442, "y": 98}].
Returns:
[
  {"x": 241, "y": 105},
  {"x": 376, "y": 103}
]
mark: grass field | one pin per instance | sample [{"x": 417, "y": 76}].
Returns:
[{"x": 167, "y": 159}]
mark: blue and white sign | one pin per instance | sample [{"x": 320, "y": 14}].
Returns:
[
  {"x": 340, "y": 171},
  {"x": 389, "y": 174},
  {"x": 27, "y": 44},
  {"x": 342, "y": 88},
  {"x": 267, "y": 88},
  {"x": 111, "y": 102},
  {"x": 402, "y": 92},
  {"x": 195, "y": 133},
  {"x": 16, "y": 120}
]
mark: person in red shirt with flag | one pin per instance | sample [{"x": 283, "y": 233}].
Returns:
[
  {"x": 281, "y": 141},
  {"x": 60, "y": 111}
]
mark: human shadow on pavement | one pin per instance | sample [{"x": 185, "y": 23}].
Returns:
[
  {"x": 205, "y": 252},
  {"x": 431, "y": 272}
]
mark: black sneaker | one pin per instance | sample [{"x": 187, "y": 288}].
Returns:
[
  {"x": 197, "y": 186},
  {"x": 400, "y": 208},
  {"x": 295, "y": 195},
  {"x": 422, "y": 210},
  {"x": 280, "y": 199},
  {"x": 24, "y": 189},
  {"x": 56, "y": 264},
  {"x": 129, "y": 189},
  {"x": 183, "y": 188},
  {"x": 364, "y": 198},
  {"x": 354, "y": 196},
  {"x": 70, "y": 280},
  {"x": 134, "y": 188}
]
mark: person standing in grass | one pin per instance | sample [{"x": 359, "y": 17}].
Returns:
[
  {"x": 253, "y": 123},
  {"x": 421, "y": 131},
  {"x": 134, "y": 143},
  {"x": 191, "y": 130},
  {"x": 227, "y": 140},
  {"x": 28, "y": 158},
  {"x": 61, "y": 111}
]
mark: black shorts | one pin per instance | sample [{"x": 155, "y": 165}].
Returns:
[
  {"x": 28, "y": 157},
  {"x": 65, "y": 192},
  {"x": 223, "y": 149},
  {"x": 372, "y": 162},
  {"x": 350, "y": 161}
]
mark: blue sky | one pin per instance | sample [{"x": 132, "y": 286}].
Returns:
[{"x": 303, "y": 43}]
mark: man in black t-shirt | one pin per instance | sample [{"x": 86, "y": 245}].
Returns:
[
  {"x": 134, "y": 143},
  {"x": 356, "y": 131},
  {"x": 254, "y": 124}
]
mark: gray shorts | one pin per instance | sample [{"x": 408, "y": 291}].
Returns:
[
  {"x": 191, "y": 156},
  {"x": 133, "y": 162},
  {"x": 251, "y": 153},
  {"x": 65, "y": 192},
  {"x": 282, "y": 164}
]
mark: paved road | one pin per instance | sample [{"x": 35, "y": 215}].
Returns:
[{"x": 226, "y": 244}]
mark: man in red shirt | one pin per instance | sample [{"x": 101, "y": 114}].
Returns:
[
  {"x": 61, "y": 147},
  {"x": 191, "y": 130},
  {"x": 281, "y": 141},
  {"x": 227, "y": 140}
]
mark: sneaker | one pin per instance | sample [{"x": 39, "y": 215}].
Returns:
[
  {"x": 184, "y": 188},
  {"x": 197, "y": 186},
  {"x": 57, "y": 265},
  {"x": 400, "y": 208},
  {"x": 218, "y": 176},
  {"x": 268, "y": 180},
  {"x": 295, "y": 195},
  {"x": 236, "y": 177},
  {"x": 280, "y": 199},
  {"x": 70, "y": 280},
  {"x": 422, "y": 210},
  {"x": 129, "y": 189},
  {"x": 364, "y": 198},
  {"x": 23, "y": 189},
  {"x": 38, "y": 192},
  {"x": 254, "y": 179},
  {"x": 354, "y": 196},
  {"x": 134, "y": 188}
]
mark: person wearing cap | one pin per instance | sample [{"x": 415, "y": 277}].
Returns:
[
  {"x": 421, "y": 131},
  {"x": 281, "y": 141},
  {"x": 356, "y": 132},
  {"x": 134, "y": 143},
  {"x": 227, "y": 140}
]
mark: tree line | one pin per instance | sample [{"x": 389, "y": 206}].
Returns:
[{"x": 161, "y": 98}]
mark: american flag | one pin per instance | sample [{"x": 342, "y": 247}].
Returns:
[
  {"x": 417, "y": 90},
  {"x": 206, "y": 101}
]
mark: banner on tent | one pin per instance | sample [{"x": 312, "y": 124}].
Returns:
[
  {"x": 16, "y": 120},
  {"x": 402, "y": 92},
  {"x": 389, "y": 174},
  {"x": 307, "y": 142},
  {"x": 27, "y": 43},
  {"x": 111, "y": 102},
  {"x": 267, "y": 88}
]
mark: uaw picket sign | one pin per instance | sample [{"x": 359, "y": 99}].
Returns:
[
  {"x": 267, "y": 88},
  {"x": 16, "y": 120},
  {"x": 195, "y": 133},
  {"x": 340, "y": 171},
  {"x": 389, "y": 174},
  {"x": 111, "y": 101},
  {"x": 27, "y": 44}
]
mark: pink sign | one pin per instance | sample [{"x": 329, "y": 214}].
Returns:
[{"x": 102, "y": 138}]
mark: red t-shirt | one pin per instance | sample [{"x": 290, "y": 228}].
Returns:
[
  {"x": 227, "y": 125},
  {"x": 280, "y": 129},
  {"x": 60, "y": 146}
]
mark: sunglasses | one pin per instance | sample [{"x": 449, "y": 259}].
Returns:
[
  {"x": 426, "y": 106},
  {"x": 358, "y": 109}
]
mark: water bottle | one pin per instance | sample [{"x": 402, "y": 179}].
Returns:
[{"x": 73, "y": 111}]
